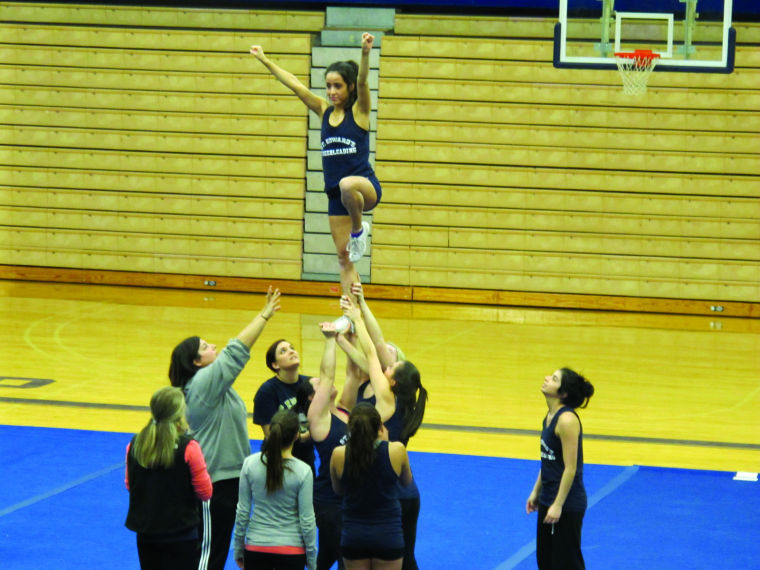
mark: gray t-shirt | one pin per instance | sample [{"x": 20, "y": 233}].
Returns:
[
  {"x": 216, "y": 413},
  {"x": 284, "y": 518}
]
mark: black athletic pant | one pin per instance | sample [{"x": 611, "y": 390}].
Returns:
[
  {"x": 222, "y": 515},
  {"x": 410, "y": 512},
  {"x": 329, "y": 522},
  {"x": 179, "y": 555},
  {"x": 558, "y": 546}
]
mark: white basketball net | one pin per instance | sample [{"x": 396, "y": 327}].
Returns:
[{"x": 635, "y": 69}]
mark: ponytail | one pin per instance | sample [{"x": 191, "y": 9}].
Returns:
[
  {"x": 282, "y": 434},
  {"x": 364, "y": 424},
  {"x": 576, "y": 389},
  {"x": 411, "y": 398},
  {"x": 155, "y": 444}
]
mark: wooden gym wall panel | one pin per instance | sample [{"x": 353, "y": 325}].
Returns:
[
  {"x": 623, "y": 139},
  {"x": 141, "y": 183},
  {"x": 218, "y": 123},
  {"x": 147, "y": 38},
  {"x": 162, "y": 17},
  {"x": 148, "y": 139},
  {"x": 502, "y": 172},
  {"x": 603, "y": 94},
  {"x": 154, "y": 59},
  {"x": 529, "y": 28},
  {"x": 547, "y": 115},
  {"x": 482, "y": 177},
  {"x": 57, "y": 97},
  {"x": 544, "y": 72}
]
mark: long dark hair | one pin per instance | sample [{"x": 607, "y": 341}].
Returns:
[
  {"x": 363, "y": 427},
  {"x": 304, "y": 395},
  {"x": 282, "y": 434},
  {"x": 349, "y": 71},
  {"x": 576, "y": 389},
  {"x": 411, "y": 398},
  {"x": 182, "y": 366}
]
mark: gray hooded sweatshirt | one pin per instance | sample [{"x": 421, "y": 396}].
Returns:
[{"x": 216, "y": 413}]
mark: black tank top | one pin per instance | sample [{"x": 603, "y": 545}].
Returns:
[
  {"x": 552, "y": 466},
  {"x": 394, "y": 425},
  {"x": 323, "y": 490}
]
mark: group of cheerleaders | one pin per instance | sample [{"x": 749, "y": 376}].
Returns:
[{"x": 363, "y": 499}]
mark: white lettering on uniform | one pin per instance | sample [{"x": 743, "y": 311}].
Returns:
[
  {"x": 338, "y": 140},
  {"x": 339, "y": 151},
  {"x": 547, "y": 452},
  {"x": 349, "y": 146}
]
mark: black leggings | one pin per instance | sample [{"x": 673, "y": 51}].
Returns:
[
  {"x": 558, "y": 545},
  {"x": 178, "y": 555},
  {"x": 410, "y": 512},
  {"x": 329, "y": 522}
]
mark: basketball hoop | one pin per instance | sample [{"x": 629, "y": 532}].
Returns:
[{"x": 635, "y": 68}]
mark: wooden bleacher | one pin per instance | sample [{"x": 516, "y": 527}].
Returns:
[
  {"x": 504, "y": 173},
  {"x": 148, "y": 139}
]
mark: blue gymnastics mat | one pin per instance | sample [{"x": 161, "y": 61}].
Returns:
[{"x": 63, "y": 504}]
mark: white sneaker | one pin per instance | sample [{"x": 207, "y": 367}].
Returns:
[
  {"x": 343, "y": 324},
  {"x": 357, "y": 245}
]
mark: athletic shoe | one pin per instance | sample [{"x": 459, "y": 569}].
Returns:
[
  {"x": 358, "y": 245},
  {"x": 343, "y": 324}
]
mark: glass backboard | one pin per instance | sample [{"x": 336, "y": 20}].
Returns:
[{"x": 689, "y": 35}]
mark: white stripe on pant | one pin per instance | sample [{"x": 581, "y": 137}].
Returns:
[{"x": 206, "y": 539}]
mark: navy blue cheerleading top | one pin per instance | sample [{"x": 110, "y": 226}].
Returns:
[
  {"x": 394, "y": 425},
  {"x": 274, "y": 395},
  {"x": 337, "y": 435},
  {"x": 553, "y": 464},
  {"x": 371, "y": 511},
  {"x": 345, "y": 151}
]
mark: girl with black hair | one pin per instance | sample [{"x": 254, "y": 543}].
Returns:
[
  {"x": 327, "y": 422},
  {"x": 275, "y": 527},
  {"x": 400, "y": 398},
  {"x": 217, "y": 418},
  {"x": 388, "y": 353},
  {"x": 558, "y": 494},
  {"x": 280, "y": 393},
  {"x": 350, "y": 182},
  {"x": 367, "y": 471},
  {"x": 397, "y": 391},
  {"x": 166, "y": 477}
]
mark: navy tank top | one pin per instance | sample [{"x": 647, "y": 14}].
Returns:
[
  {"x": 345, "y": 150},
  {"x": 371, "y": 511},
  {"x": 360, "y": 395},
  {"x": 394, "y": 425},
  {"x": 323, "y": 490},
  {"x": 552, "y": 466}
]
